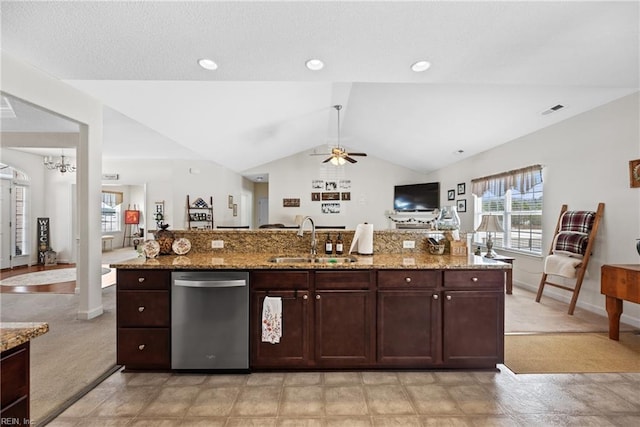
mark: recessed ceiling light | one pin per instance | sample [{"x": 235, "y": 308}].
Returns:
[
  {"x": 207, "y": 64},
  {"x": 421, "y": 66},
  {"x": 314, "y": 64}
]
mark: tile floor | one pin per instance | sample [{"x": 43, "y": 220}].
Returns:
[{"x": 359, "y": 399}]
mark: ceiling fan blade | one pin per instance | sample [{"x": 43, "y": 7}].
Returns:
[
  {"x": 357, "y": 154},
  {"x": 349, "y": 159},
  {"x": 325, "y": 161}
]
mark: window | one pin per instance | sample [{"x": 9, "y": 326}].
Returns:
[
  {"x": 21, "y": 220},
  {"x": 111, "y": 211},
  {"x": 516, "y": 197}
]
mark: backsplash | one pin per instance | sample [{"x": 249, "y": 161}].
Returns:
[{"x": 286, "y": 241}]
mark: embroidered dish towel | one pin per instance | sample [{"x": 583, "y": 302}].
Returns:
[{"x": 272, "y": 320}]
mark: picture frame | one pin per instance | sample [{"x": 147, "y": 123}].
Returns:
[
  {"x": 317, "y": 184},
  {"x": 462, "y": 205},
  {"x": 331, "y": 195},
  {"x": 315, "y": 197},
  {"x": 131, "y": 217},
  {"x": 291, "y": 203},
  {"x": 451, "y": 195},
  {"x": 230, "y": 202},
  {"x": 330, "y": 208},
  {"x": 235, "y": 209},
  {"x": 330, "y": 186},
  {"x": 634, "y": 173},
  {"x": 345, "y": 196},
  {"x": 461, "y": 188}
]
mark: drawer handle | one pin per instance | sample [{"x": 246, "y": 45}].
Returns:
[
  {"x": 140, "y": 279},
  {"x": 435, "y": 296},
  {"x": 141, "y": 309},
  {"x": 474, "y": 279},
  {"x": 141, "y": 347},
  {"x": 448, "y": 297},
  {"x": 407, "y": 279},
  {"x": 305, "y": 296},
  {"x": 317, "y": 296}
]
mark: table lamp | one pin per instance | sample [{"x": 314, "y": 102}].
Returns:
[{"x": 490, "y": 224}]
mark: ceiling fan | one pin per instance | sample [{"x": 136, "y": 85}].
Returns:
[{"x": 339, "y": 156}]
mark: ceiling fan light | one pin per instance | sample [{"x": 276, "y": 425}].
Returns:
[
  {"x": 314, "y": 64},
  {"x": 420, "y": 66},
  {"x": 337, "y": 161}
]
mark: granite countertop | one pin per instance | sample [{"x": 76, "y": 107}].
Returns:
[
  {"x": 12, "y": 334},
  {"x": 259, "y": 261}
]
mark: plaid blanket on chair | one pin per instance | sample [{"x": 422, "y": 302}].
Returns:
[
  {"x": 571, "y": 243},
  {"x": 577, "y": 221}
]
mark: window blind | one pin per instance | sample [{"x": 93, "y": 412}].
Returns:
[{"x": 522, "y": 179}]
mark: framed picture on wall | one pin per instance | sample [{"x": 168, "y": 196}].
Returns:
[
  {"x": 461, "y": 188},
  {"x": 315, "y": 197},
  {"x": 462, "y": 205},
  {"x": 451, "y": 195}
]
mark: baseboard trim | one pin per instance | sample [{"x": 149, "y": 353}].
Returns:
[{"x": 90, "y": 314}]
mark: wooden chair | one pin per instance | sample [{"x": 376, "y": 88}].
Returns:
[{"x": 573, "y": 238}]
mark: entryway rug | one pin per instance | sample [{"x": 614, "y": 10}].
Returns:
[
  {"x": 572, "y": 353},
  {"x": 59, "y": 275}
]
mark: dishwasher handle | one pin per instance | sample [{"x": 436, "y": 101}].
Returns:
[{"x": 211, "y": 283}]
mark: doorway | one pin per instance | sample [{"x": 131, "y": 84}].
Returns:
[{"x": 14, "y": 218}]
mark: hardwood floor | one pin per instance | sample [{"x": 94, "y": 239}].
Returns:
[{"x": 56, "y": 288}]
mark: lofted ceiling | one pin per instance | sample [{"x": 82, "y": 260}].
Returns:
[{"x": 495, "y": 67}]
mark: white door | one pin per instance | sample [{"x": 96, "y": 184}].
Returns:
[{"x": 5, "y": 220}]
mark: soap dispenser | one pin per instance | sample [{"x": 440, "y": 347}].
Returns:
[
  {"x": 328, "y": 245},
  {"x": 339, "y": 245}
]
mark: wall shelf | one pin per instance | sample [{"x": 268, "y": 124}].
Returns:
[{"x": 199, "y": 214}]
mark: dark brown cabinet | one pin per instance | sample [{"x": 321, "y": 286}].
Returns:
[
  {"x": 327, "y": 319},
  {"x": 294, "y": 348},
  {"x": 408, "y": 318},
  {"x": 14, "y": 385},
  {"x": 344, "y": 318},
  {"x": 473, "y": 319},
  {"x": 143, "y": 319}
]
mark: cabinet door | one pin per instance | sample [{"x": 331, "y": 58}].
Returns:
[
  {"x": 473, "y": 329},
  {"x": 293, "y": 350},
  {"x": 344, "y": 328},
  {"x": 408, "y": 328},
  {"x": 143, "y": 309},
  {"x": 143, "y": 348}
]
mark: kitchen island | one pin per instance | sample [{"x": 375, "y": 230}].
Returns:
[
  {"x": 395, "y": 310},
  {"x": 15, "y": 341}
]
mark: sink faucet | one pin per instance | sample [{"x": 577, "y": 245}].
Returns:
[{"x": 314, "y": 242}]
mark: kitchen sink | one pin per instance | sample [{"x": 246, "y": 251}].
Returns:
[{"x": 310, "y": 260}]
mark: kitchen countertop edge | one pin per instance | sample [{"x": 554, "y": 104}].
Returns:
[
  {"x": 12, "y": 334},
  {"x": 260, "y": 261}
]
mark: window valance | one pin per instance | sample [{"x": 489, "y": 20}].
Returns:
[{"x": 522, "y": 180}]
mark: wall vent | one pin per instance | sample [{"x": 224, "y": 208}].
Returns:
[{"x": 552, "y": 109}]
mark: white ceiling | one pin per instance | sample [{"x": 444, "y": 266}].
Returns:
[{"x": 495, "y": 67}]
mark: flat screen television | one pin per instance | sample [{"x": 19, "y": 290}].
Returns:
[{"x": 416, "y": 197}]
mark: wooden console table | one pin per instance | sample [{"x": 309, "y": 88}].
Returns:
[{"x": 619, "y": 282}]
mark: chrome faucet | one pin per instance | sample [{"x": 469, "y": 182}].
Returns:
[{"x": 314, "y": 242}]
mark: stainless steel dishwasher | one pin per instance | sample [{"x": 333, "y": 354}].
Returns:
[{"x": 210, "y": 320}]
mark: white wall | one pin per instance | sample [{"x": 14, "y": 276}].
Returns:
[
  {"x": 372, "y": 182},
  {"x": 586, "y": 161},
  {"x": 172, "y": 180}
]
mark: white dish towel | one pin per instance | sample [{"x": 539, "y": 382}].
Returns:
[{"x": 272, "y": 320}]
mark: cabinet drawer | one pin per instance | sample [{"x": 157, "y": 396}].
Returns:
[
  {"x": 360, "y": 279},
  {"x": 408, "y": 279},
  {"x": 140, "y": 348},
  {"x": 143, "y": 279},
  {"x": 279, "y": 280},
  {"x": 143, "y": 308},
  {"x": 15, "y": 374},
  {"x": 474, "y": 279}
]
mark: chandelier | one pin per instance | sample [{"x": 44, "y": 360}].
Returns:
[{"x": 62, "y": 164}]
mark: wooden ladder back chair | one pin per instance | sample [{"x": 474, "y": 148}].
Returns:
[{"x": 571, "y": 249}]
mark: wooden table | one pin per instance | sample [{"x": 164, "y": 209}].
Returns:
[
  {"x": 508, "y": 260},
  {"x": 619, "y": 282}
]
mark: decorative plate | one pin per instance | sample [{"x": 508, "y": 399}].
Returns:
[
  {"x": 181, "y": 246},
  {"x": 151, "y": 248}
]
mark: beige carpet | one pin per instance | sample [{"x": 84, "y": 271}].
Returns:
[
  {"x": 73, "y": 354},
  {"x": 572, "y": 353}
]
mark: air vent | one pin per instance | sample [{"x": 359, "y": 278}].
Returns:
[{"x": 552, "y": 109}]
